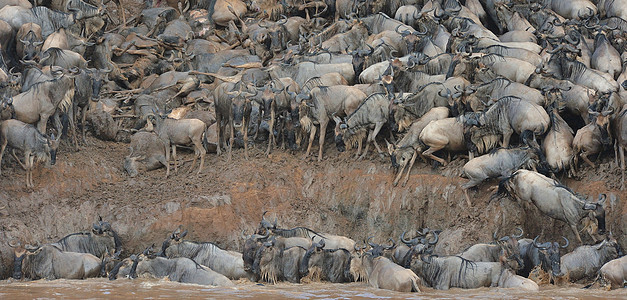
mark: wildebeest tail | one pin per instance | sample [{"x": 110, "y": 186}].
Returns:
[
  {"x": 503, "y": 189},
  {"x": 528, "y": 138},
  {"x": 598, "y": 279}
]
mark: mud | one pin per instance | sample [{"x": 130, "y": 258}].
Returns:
[{"x": 338, "y": 195}]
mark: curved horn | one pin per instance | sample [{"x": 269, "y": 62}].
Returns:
[
  {"x": 558, "y": 48},
  {"x": 371, "y": 243},
  {"x": 436, "y": 239},
  {"x": 14, "y": 243},
  {"x": 535, "y": 244},
  {"x": 567, "y": 243},
  {"x": 520, "y": 234},
  {"x": 408, "y": 242},
  {"x": 392, "y": 245}
]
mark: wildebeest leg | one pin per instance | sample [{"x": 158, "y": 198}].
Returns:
[
  {"x": 366, "y": 149},
  {"x": 398, "y": 176},
  {"x": 323, "y": 129},
  {"x": 466, "y": 187},
  {"x": 429, "y": 153},
  {"x": 19, "y": 161},
  {"x": 71, "y": 116},
  {"x": 29, "y": 160},
  {"x": 2, "y": 147},
  {"x": 219, "y": 133},
  {"x": 167, "y": 160},
  {"x": 377, "y": 128},
  {"x": 176, "y": 162},
  {"x": 359, "y": 145},
  {"x": 585, "y": 158},
  {"x": 231, "y": 137},
  {"x": 246, "y": 138},
  {"x": 83, "y": 117},
  {"x": 616, "y": 152},
  {"x": 621, "y": 151},
  {"x": 411, "y": 165},
  {"x": 507, "y": 134},
  {"x": 312, "y": 135},
  {"x": 574, "y": 228},
  {"x": 271, "y": 140},
  {"x": 199, "y": 150},
  {"x": 41, "y": 125}
]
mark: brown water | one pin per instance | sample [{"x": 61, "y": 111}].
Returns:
[{"x": 153, "y": 289}]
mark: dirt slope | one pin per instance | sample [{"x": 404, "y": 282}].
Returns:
[{"x": 339, "y": 195}]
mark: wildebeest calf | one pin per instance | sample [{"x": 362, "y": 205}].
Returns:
[{"x": 31, "y": 142}]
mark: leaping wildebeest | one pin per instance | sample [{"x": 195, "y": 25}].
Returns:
[{"x": 554, "y": 199}]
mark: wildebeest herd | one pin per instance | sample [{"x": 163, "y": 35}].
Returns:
[
  {"x": 274, "y": 254},
  {"x": 453, "y": 75}
]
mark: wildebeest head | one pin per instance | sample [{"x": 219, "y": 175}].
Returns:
[
  {"x": 20, "y": 252},
  {"x": 399, "y": 156},
  {"x": 340, "y": 131},
  {"x": 251, "y": 245},
  {"x": 241, "y": 108},
  {"x": 49, "y": 147},
  {"x": 549, "y": 254},
  {"x": 509, "y": 247},
  {"x": 104, "y": 228},
  {"x": 174, "y": 238},
  {"x": 377, "y": 250},
  {"x": 598, "y": 212},
  {"x": 31, "y": 45},
  {"x": 97, "y": 78}
]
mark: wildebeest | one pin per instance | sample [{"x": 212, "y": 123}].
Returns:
[
  {"x": 546, "y": 255},
  {"x": 181, "y": 132},
  {"x": 98, "y": 242},
  {"x": 382, "y": 273},
  {"x": 87, "y": 88},
  {"x": 592, "y": 138},
  {"x": 614, "y": 273},
  {"x": 276, "y": 101},
  {"x": 366, "y": 121},
  {"x": 233, "y": 109},
  {"x": 28, "y": 41},
  {"x": 331, "y": 265},
  {"x": 275, "y": 262},
  {"x": 499, "y": 163},
  {"x": 49, "y": 20},
  {"x": 403, "y": 154},
  {"x": 321, "y": 104},
  {"x": 50, "y": 262},
  {"x": 506, "y": 246},
  {"x": 554, "y": 199},
  {"x": 147, "y": 148},
  {"x": 557, "y": 144},
  {"x": 227, "y": 263},
  {"x": 180, "y": 269},
  {"x": 585, "y": 261},
  {"x": 34, "y": 145},
  {"x": 443, "y": 273},
  {"x": 45, "y": 99},
  {"x": 513, "y": 115}
]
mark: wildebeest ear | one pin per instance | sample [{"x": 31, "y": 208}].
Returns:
[
  {"x": 183, "y": 234},
  {"x": 602, "y": 198}
]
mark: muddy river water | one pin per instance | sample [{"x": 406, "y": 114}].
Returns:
[{"x": 158, "y": 289}]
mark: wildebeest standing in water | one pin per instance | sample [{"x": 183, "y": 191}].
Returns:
[
  {"x": 34, "y": 145},
  {"x": 50, "y": 262},
  {"x": 227, "y": 263}
]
